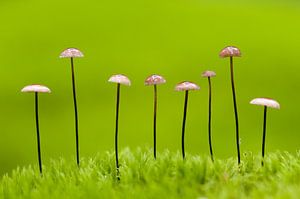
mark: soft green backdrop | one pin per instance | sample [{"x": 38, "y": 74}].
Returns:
[{"x": 175, "y": 38}]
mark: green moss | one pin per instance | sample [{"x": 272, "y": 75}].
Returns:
[{"x": 167, "y": 177}]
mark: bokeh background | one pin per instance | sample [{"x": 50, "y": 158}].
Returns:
[{"x": 178, "y": 39}]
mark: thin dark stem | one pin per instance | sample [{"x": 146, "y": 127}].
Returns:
[
  {"x": 38, "y": 132},
  {"x": 117, "y": 127},
  {"x": 76, "y": 113},
  {"x": 209, "y": 119},
  {"x": 235, "y": 111},
  {"x": 264, "y": 136},
  {"x": 154, "y": 120},
  {"x": 183, "y": 122}
]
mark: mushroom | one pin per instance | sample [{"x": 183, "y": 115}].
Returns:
[
  {"x": 266, "y": 102},
  {"x": 37, "y": 89},
  {"x": 209, "y": 74},
  {"x": 119, "y": 79},
  {"x": 231, "y": 52},
  {"x": 185, "y": 86},
  {"x": 154, "y": 80},
  {"x": 72, "y": 53}
]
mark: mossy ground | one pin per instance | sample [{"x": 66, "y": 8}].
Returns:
[{"x": 167, "y": 177}]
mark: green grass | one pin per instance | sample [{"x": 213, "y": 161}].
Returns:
[{"x": 167, "y": 177}]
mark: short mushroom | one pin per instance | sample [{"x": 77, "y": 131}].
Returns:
[
  {"x": 35, "y": 88},
  {"x": 209, "y": 74},
  {"x": 185, "y": 86},
  {"x": 266, "y": 102},
  {"x": 154, "y": 80},
  {"x": 231, "y": 51},
  {"x": 73, "y": 53},
  {"x": 119, "y": 79}
]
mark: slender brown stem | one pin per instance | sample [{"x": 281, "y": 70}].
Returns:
[
  {"x": 38, "y": 132},
  {"x": 117, "y": 127},
  {"x": 264, "y": 135},
  {"x": 235, "y": 111},
  {"x": 76, "y": 112},
  {"x": 154, "y": 120},
  {"x": 183, "y": 122},
  {"x": 209, "y": 119}
]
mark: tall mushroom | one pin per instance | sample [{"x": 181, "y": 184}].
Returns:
[
  {"x": 37, "y": 89},
  {"x": 185, "y": 86},
  {"x": 119, "y": 79},
  {"x": 209, "y": 74},
  {"x": 73, "y": 53},
  {"x": 231, "y": 52},
  {"x": 154, "y": 80},
  {"x": 266, "y": 102}
]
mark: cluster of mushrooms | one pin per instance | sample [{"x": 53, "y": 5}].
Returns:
[{"x": 154, "y": 80}]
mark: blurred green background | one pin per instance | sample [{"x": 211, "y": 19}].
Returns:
[{"x": 178, "y": 39}]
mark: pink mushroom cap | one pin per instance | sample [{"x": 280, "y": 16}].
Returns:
[
  {"x": 266, "y": 102},
  {"x": 208, "y": 73},
  {"x": 120, "y": 79},
  {"x": 71, "y": 52},
  {"x": 230, "y": 51},
  {"x": 185, "y": 86},
  {"x": 35, "y": 88},
  {"x": 154, "y": 80}
]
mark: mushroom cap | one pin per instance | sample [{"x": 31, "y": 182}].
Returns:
[
  {"x": 208, "y": 73},
  {"x": 266, "y": 102},
  {"x": 36, "y": 88},
  {"x": 71, "y": 52},
  {"x": 185, "y": 86},
  {"x": 120, "y": 79},
  {"x": 230, "y": 51},
  {"x": 154, "y": 79}
]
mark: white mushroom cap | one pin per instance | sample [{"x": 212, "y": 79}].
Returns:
[
  {"x": 230, "y": 51},
  {"x": 71, "y": 52},
  {"x": 120, "y": 79},
  {"x": 208, "y": 74},
  {"x": 266, "y": 102},
  {"x": 35, "y": 88},
  {"x": 154, "y": 79},
  {"x": 185, "y": 86}
]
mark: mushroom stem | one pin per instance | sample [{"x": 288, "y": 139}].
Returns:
[
  {"x": 264, "y": 135},
  {"x": 38, "y": 132},
  {"x": 209, "y": 119},
  {"x": 183, "y": 122},
  {"x": 117, "y": 126},
  {"x": 235, "y": 111},
  {"x": 154, "y": 120},
  {"x": 76, "y": 113}
]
